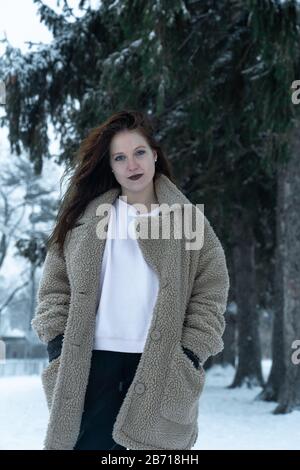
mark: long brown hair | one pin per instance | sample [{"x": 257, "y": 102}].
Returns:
[{"x": 92, "y": 171}]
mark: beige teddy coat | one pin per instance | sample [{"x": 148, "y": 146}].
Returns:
[{"x": 160, "y": 409}]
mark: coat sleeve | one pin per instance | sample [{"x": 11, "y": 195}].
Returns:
[
  {"x": 204, "y": 321},
  {"x": 53, "y": 297}
]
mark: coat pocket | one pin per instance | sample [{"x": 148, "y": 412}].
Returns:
[
  {"x": 183, "y": 387},
  {"x": 48, "y": 377}
]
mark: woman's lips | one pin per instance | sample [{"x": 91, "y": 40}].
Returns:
[{"x": 135, "y": 177}]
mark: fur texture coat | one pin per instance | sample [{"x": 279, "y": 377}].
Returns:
[{"x": 160, "y": 409}]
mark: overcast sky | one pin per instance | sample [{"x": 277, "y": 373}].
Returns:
[{"x": 19, "y": 21}]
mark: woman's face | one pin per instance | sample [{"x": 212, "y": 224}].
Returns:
[{"x": 130, "y": 154}]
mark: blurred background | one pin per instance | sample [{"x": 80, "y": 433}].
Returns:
[{"x": 219, "y": 78}]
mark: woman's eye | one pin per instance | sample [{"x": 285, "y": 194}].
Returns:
[{"x": 139, "y": 152}]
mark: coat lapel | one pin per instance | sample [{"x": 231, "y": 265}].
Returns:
[{"x": 91, "y": 234}]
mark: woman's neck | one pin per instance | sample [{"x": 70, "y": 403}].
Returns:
[{"x": 147, "y": 198}]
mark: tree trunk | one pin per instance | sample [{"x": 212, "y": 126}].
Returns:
[
  {"x": 272, "y": 387},
  {"x": 249, "y": 353},
  {"x": 289, "y": 395},
  {"x": 228, "y": 355}
]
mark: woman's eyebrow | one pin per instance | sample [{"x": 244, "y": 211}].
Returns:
[{"x": 134, "y": 149}]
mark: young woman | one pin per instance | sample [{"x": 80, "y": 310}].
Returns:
[{"x": 129, "y": 315}]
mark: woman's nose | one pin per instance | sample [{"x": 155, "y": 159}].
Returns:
[{"x": 132, "y": 164}]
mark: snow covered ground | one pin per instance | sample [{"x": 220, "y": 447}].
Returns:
[
  {"x": 232, "y": 419},
  {"x": 228, "y": 419}
]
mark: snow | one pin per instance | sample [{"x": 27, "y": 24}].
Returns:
[
  {"x": 13, "y": 332},
  {"x": 232, "y": 308},
  {"x": 23, "y": 413},
  {"x": 234, "y": 420},
  {"x": 228, "y": 419}
]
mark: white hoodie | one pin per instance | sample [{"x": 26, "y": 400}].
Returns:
[{"x": 128, "y": 286}]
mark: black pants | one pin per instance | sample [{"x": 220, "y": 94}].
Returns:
[{"x": 110, "y": 376}]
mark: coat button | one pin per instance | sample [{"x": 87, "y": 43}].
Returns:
[
  {"x": 155, "y": 334},
  {"x": 139, "y": 388},
  {"x": 105, "y": 227},
  {"x": 164, "y": 282}
]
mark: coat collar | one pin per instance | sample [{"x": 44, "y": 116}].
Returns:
[
  {"x": 166, "y": 191},
  {"x": 89, "y": 238}
]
